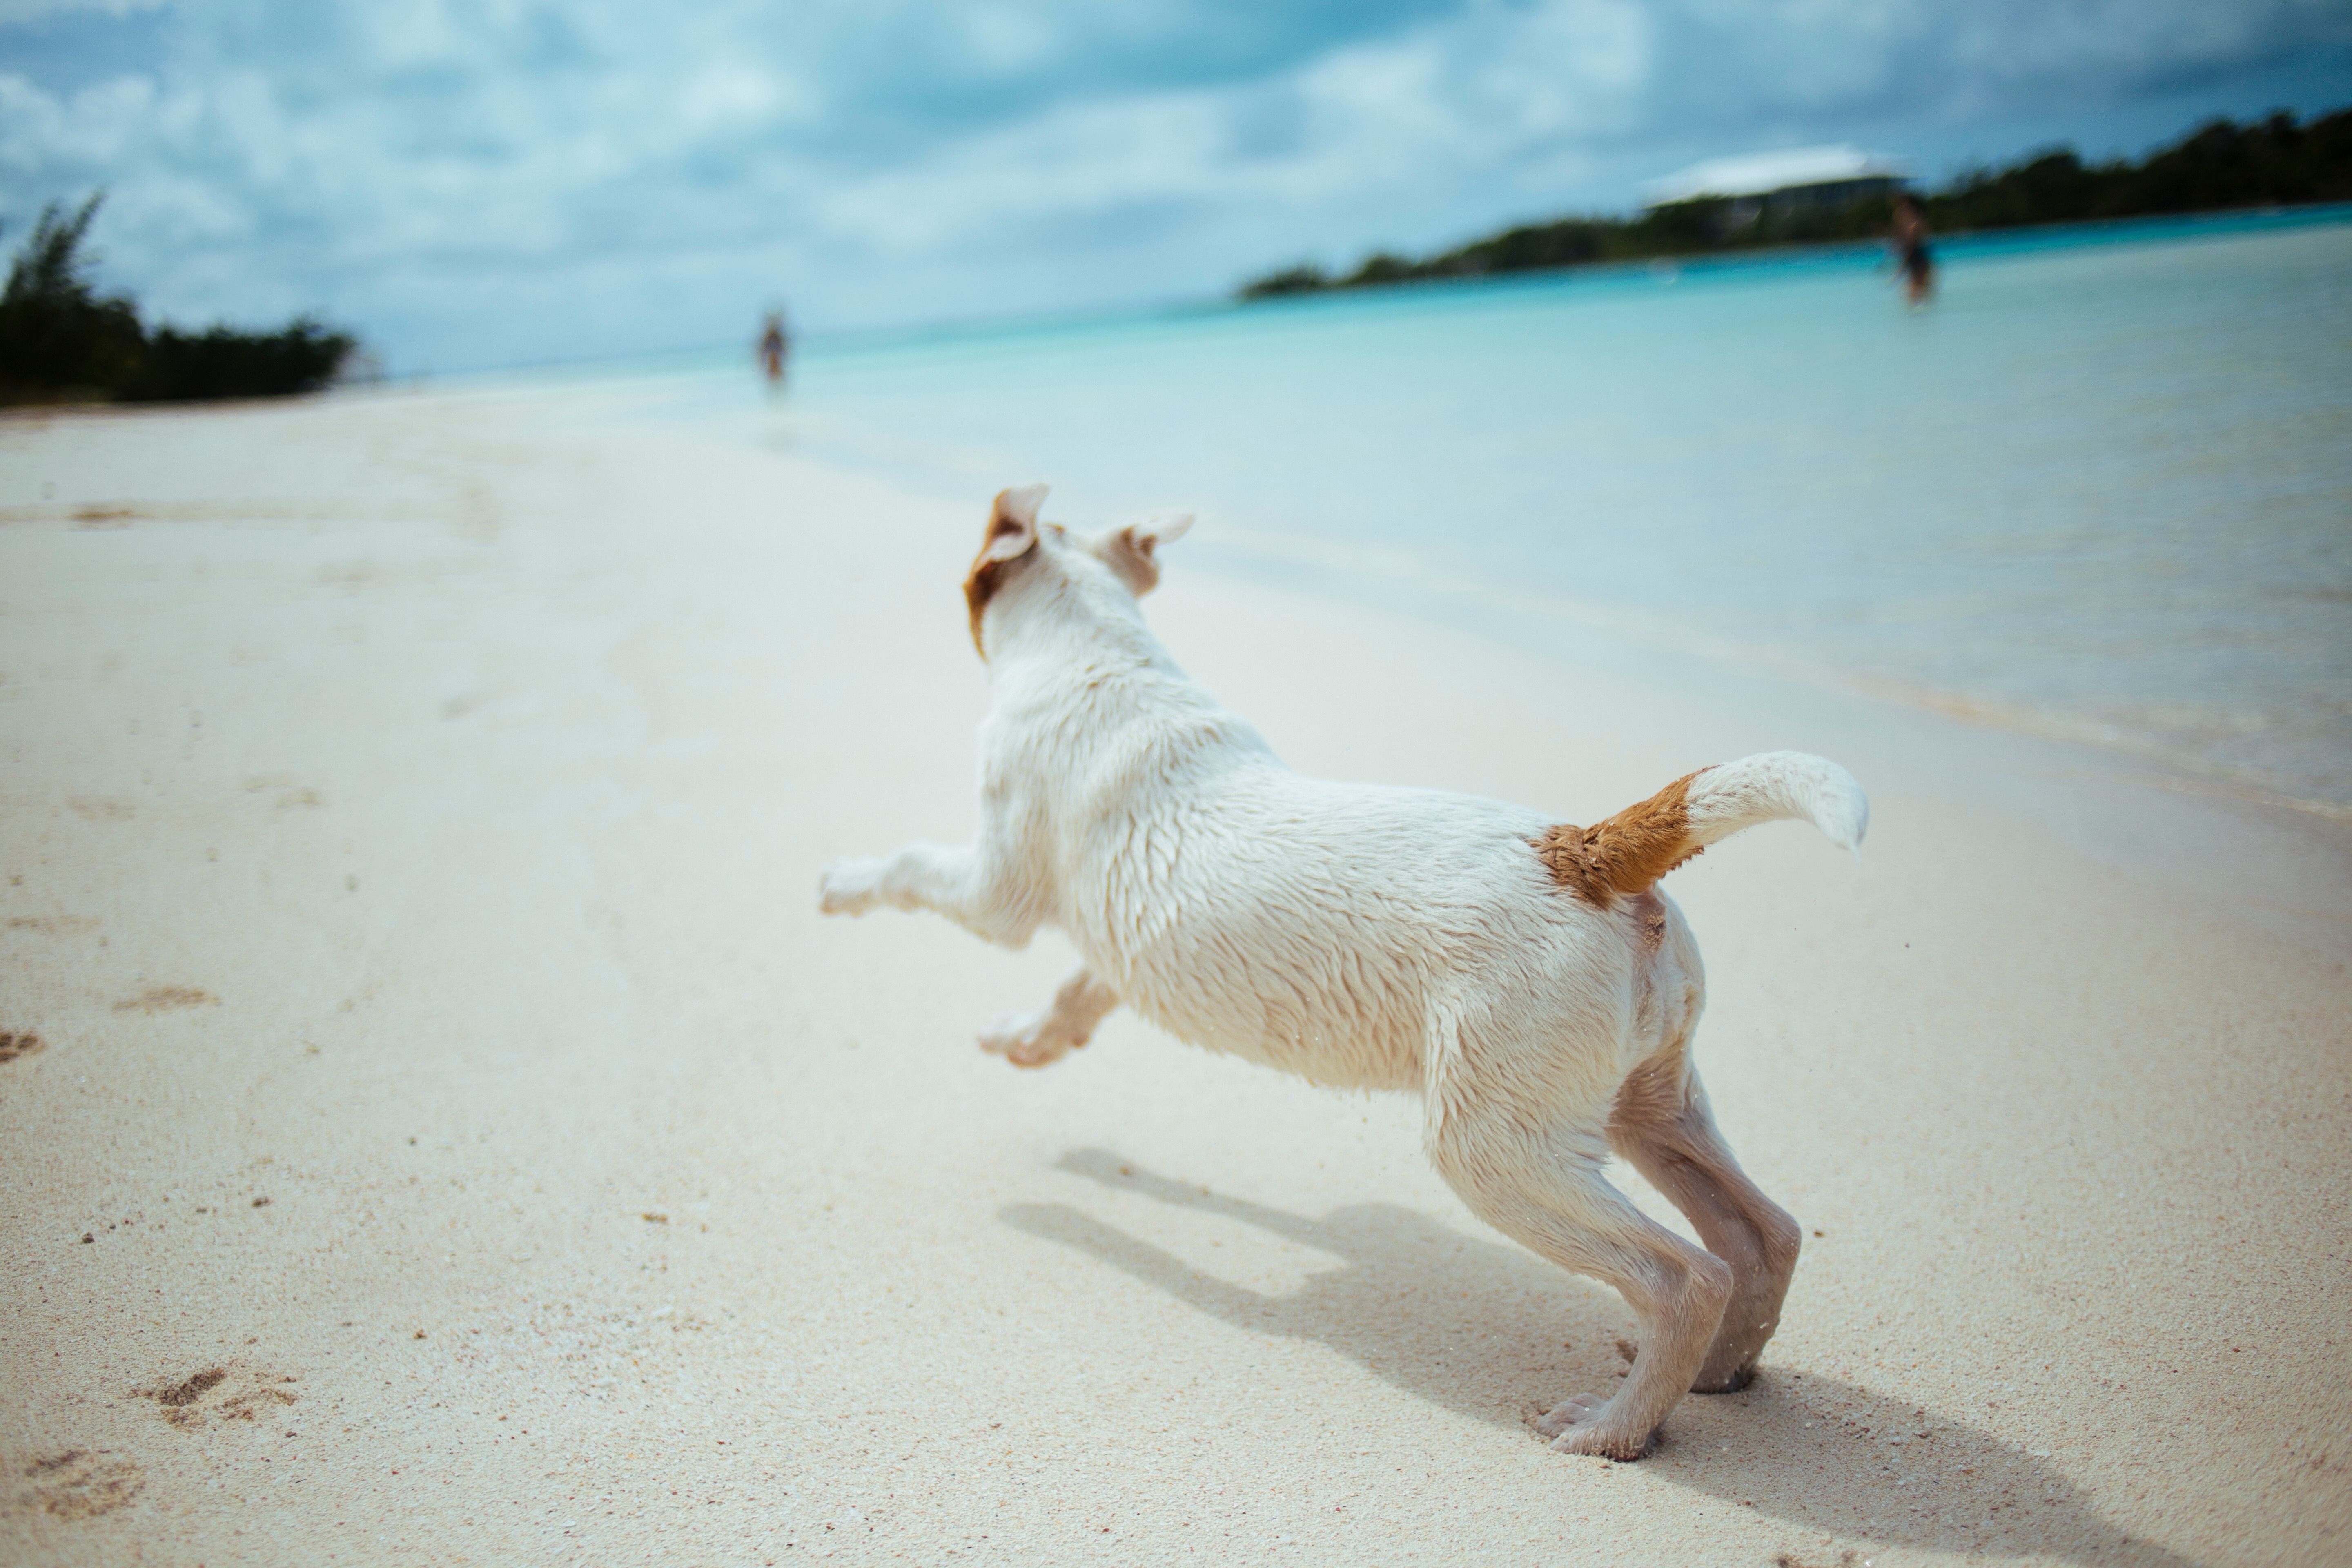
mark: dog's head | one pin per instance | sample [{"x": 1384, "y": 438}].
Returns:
[{"x": 1017, "y": 546}]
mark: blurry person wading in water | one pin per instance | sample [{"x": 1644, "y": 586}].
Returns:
[
  {"x": 1908, "y": 241},
  {"x": 774, "y": 344}
]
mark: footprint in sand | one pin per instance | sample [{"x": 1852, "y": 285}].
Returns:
[
  {"x": 53, "y": 925},
  {"x": 18, "y": 1043},
  {"x": 290, "y": 795},
  {"x": 194, "y": 1401},
  {"x": 78, "y": 1484},
  {"x": 163, "y": 998}
]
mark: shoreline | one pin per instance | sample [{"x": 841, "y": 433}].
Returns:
[
  {"x": 2140, "y": 617},
  {"x": 413, "y": 810},
  {"x": 2021, "y": 239}
]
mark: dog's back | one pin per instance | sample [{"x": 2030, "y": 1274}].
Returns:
[{"x": 1320, "y": 927}]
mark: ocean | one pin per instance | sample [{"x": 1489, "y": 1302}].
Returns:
[{"x": 2100, "y": 489}]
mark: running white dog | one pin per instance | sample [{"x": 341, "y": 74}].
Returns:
[{"x": 1526, "y": 978}]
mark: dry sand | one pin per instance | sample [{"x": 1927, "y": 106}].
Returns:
[{"x": 453, "y": 1137}]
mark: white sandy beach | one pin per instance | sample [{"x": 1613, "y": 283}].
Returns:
[{"x": 449, "y": 1134}]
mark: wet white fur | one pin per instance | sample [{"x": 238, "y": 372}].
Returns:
[{"x": 1355, "y": 934}]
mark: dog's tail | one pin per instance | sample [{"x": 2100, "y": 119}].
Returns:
[{"x": 1628, "y": 852}]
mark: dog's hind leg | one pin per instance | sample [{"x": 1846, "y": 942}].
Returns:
[
  {"x": 1040, "y": 1039},
  {"x": 1545, "y": 1190},
  {"x": 1662, "y": 1127}
]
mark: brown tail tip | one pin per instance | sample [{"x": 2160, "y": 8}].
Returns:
[{"x": 1625, "y": 854}]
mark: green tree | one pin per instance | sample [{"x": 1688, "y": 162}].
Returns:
[
  {"x": 61, "y": 342},
  {"x": 59, "y": 338}
]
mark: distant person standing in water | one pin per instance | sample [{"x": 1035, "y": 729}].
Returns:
[
  {"x": 1908, "y": 241},
  {"x": 775, "y": 343}
]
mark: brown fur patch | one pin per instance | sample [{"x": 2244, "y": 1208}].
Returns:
[
  {"x": 980, "y": 584},
  {"x": 1131, "y": 560},
  {"x": 1651, "y": 914},
  {"x": 1624, "y": 853}
]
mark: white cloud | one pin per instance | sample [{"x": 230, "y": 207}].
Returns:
[
  {"x": 96, "y": 125},
  {"x": 1382, "y": 115},
  {"x": 1005, "y": 38},
  {"x": 728, "y": 95}
]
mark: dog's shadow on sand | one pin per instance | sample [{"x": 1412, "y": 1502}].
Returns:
[{"x": 1479, "y": 1327}]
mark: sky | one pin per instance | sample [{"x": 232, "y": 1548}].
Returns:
[{"x": 508, "y": 181}]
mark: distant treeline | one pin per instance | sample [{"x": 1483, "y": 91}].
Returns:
[
  {"x": 60, "y": 343},
  {"x": 2275, "y": 162}
]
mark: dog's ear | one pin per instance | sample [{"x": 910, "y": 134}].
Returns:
[
  {"x": 1012, "y": 533},
  {"x": 1013, "y": 524},
  {"x": 1127, "y": 552}
]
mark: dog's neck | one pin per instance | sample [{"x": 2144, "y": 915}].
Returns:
[{"x": 1044, "y": 621}]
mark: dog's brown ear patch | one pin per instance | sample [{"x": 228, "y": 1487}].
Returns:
[
  {"x": 1129, "y": 552},
  {"x": 1130, "y": 560},
  {"x": 1624, "y": 853},
  {"x": 1012, "y": 533}
]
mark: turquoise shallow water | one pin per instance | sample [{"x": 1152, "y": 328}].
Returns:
[{"x": 2102, "y": 489}]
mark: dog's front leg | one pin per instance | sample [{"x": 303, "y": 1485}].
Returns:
[
  {"x": 1041, "y": 1039},
  {"x": 970, "y": 888}
]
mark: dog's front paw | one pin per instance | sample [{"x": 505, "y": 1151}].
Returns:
[
  {"x": 1036, "y": 1041},
  {"x": 851, "y": 888},
  {"x": 1585, "y": 1425}
]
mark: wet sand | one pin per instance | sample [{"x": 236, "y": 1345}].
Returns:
[{"x": 440, "y": 1127}]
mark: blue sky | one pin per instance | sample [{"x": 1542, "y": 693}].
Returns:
[{"x": 508, "y": 181}]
